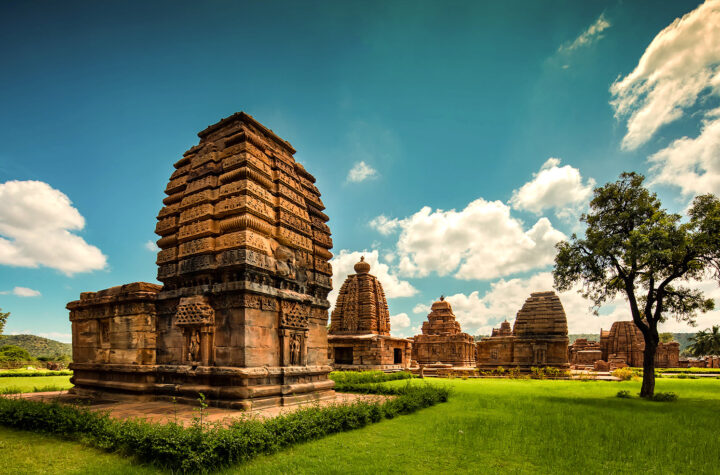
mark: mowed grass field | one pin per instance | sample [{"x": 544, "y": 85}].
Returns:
[
  {"x": 488, "y": 426},
  {"x": 29, "y": 383}
]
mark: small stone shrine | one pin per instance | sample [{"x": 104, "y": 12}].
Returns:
[
  {"x": 539, "y": 337},
  {"x": 442, "y": 340},
  {"x": 359, "y": 337},
  {"x": 623, "y": 345},
  {"x": 242, "y": 312}
]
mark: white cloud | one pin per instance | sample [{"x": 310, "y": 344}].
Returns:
[
  {"x": 36, "y": 229},
  {"x": 343, "y": 265},
  {"x": 481, "y": 241},
  {"x": 385, "y": 225},
  {"x": 361, "y": 171},
  {"x": 553, "y": 186},
  {"x": 400, "y": 325},
  {"x": 421, "y": 308},
  {"x": 26, "y": 292},
  {"x": 589, "y": 36},
  {"x": 693, "y": 164},
  {"x": 681, "y": 64},
  {"x": 151, "y": 246}
]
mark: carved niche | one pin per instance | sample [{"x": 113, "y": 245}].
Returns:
[
  {"x": 294, "y": 329},
  {"x": 196, "y": 317}
]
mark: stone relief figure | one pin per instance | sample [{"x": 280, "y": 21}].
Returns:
[
  {"x": 295, "y": 350},
  {"x": 285, "y": 262},
  {"x": 194, "y": 346}
]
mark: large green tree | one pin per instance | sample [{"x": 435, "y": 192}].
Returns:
[
  {"x": 632, "y": 246},
  {"x": 3, "y": 319},
  {"x": 706, "y": 342}
]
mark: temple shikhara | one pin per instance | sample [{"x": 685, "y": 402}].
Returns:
[
  {"x": 359, "y": 337},
  {"x": 442, "y": 340},
  {"x": 539, "y": 337},
  {"x": 242, "y": 312},
  {"x": 622, "y": 345}
]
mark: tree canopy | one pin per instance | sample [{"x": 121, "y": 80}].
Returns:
[
  {"x": 706, "y": 342},
  {"x": 634, "y": 247},
  {"x": 3, "y": 319}
]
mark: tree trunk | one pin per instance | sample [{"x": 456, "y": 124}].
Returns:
[{"x": 648, "y": 382}]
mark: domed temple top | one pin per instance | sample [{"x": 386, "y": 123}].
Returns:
[
  {"x": 623, "y": 337},
  {"x": 541, "y": 315},
  {"x": 441, "y": 320},
  {"x": 241, "y": 209},
  {"x": 361, "y": 307},
  {"x": 362, "y": 267}
]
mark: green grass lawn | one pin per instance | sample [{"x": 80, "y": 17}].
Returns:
[
  {"x": 488, "y": 426},
  {"x": 29, "y": 383}
]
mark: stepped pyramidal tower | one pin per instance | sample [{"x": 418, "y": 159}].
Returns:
[
  {"x": 242, "y": 312},
  {"x": 539, "y": 337},
  {"x": 442, "y": 340},
  {"x": 360, "y": 326}
]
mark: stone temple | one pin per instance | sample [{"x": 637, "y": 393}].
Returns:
[
  {"x": 442, "y": 340},
  {"x": 359, "y": 337},
  {"x": 242, "y": 312},
  {"x": 539, "y": 337},
  {"x": 622, "y": 345}
]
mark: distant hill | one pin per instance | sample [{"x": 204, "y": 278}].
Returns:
[{"x": 37, "y": 345}]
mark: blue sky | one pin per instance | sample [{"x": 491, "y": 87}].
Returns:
[{"x": 453, "y": 142}]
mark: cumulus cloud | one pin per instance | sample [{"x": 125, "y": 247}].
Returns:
[
  {"x": 481, "y": 241},
  {"x": 400, "y": 325},
  {"x": 589, "y": 36},
  {"x": 343, "y": 265},
  {"x": 421, "y": 308},
  {"x": 361, "y": 171},
  {"x": 693, "y": 164},
  {"x": 385, "y": 225},
  {"x": 36, "y": 229},
  {"x": 151, "y": 246},
  {"x": 680, "y": 66},
  {"x": 561, "y": 188}
]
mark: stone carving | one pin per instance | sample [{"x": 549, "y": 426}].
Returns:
[
  {"x": 442, "y": 340},
  {"x": 360, "y": 326},
  {"x": 244, "y": 267},
  {"x": 538, "y": 338}
]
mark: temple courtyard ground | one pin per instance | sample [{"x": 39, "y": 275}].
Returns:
[{"x": 487, "y": 426}]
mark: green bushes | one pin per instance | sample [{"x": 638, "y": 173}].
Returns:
[
  {"x": 624, "y": 374},
  {"x": 14, "y": 353},
  {"x": 623, "y": 394},
  {"x": 665, "y": 397},
  {"x": 32, "y": 372},
  {"x": 342, "y": 378},
  {"x": 205, "y": 447}
]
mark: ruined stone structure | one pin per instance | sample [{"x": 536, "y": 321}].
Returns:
[
  {"x": 442, "y": 340},
  {"x": 622, "y": 345},
  {"x": 243, "y": 309},
  {"x": 539, "y": 337},
  {"x": 359, "y": 336}
]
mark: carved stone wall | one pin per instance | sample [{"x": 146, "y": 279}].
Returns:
[{"x": 244, "y": 261}]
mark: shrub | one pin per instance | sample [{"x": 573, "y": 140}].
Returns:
[
  {"x": 32, "y": 372},
  {"x": 14, "y": 353},
  {"x": 624, "y": 374},
  {"x": 623, "y": 394},
  {"x": 665, "y": 397},
  {"x": 342, "y": 378},
  {"x": 206, "y": 447}
]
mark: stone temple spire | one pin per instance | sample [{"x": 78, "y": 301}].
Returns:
[{"x": 361, "y": 306}]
